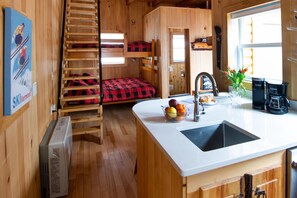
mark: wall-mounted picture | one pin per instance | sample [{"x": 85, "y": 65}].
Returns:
[{"x": 17, "y": 61}]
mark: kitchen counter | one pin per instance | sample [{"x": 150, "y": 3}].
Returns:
[{"x": 276, "y": 133}]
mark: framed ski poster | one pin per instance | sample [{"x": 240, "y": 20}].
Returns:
[{"x": 17, "y": 61}]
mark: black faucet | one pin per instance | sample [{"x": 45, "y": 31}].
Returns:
[{"x": 196, "y": 96}]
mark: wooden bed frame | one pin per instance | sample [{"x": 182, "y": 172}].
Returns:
[
  {"x": 148, "y": 63},
  {"x": 123, "y": 52}
]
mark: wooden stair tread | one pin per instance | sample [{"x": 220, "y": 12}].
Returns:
[
  {"x": 82, "y": 50},
  {"x": 81, "y": 59},
  {"x": 90, "y": 118},
  {"x": 77, "y": 108},
  {"x": 82, "y": 42},
  {"x": 81, "y": 77},
  {"x": 83, "y": 1},
  {"x": 82, "y": 12},
  {"x": 82, "y": 18},
  {"x": 82, "y": 97},
  {"x": 81, "y": 131},
  {"x": 81, "y": 26},
  {"x": 81, "y": 87},
  {"x": 81, "y": 33},
  {"x": 84, "y": 5},
  {"x": 80, "y": 68}
]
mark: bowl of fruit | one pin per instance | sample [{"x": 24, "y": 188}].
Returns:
[{"x": 175, "y": 112}]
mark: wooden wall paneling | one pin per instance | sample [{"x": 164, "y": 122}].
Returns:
[
  {"x": 198, "y": 21},
  {"x": 3, "y": 165},
  {"x": 118, "y": 16},
  {"x": 289, "y": 46},
  {"x": 114, "y": 15},
  {"x": 136, "y": 12},
  {"x": 201, "y": 61},
  {"x": 21, "y": 133},
  {"x": 151, "y": 163},
  {"x": 44, "y": 65},
  {"x": 151, "y": 30}
]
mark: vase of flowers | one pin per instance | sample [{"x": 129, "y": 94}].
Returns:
[{"x": 236, "y": 77}]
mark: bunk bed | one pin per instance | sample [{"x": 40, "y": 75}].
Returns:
[
  {"x": 122, "y": 90},
  {"x": 123, "y": 48}
]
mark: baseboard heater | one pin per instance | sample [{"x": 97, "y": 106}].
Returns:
[{"x": 55, "y": 156}]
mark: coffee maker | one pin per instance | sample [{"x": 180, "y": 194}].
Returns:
[
  {"x": 258, "y": 88},
  {"x": 276, "y": 98}
]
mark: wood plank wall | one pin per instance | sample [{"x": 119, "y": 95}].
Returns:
[
  {"x": 289, "y": 47},
  {"x": 22, "y": 132},
  {"x": 219, "y": 13},
  {"x": 197, "y": 21},
  {"x": 117, "y": 16}
]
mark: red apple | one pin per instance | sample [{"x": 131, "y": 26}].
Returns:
[{"x": 173, "y": 103}]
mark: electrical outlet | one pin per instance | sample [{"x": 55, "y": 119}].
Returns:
[{"x": 53, "y": 107}]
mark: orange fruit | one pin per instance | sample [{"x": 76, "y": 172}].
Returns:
[
  {"x": 180, "y": 106},
  {"x": 181, "y": 112}
]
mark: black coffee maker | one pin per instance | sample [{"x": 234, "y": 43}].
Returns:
[
  {"x": 276, "y": 98},
  {"x": 258, "y": 88}
]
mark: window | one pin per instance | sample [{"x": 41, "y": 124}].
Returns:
[
  {"x": 178, "y": 48},
  {"x": 112, "y": 39},
  {"x": 256, "y": 42}
]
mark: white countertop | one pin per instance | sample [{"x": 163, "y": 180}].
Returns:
[{"x": 276, "y": 132}]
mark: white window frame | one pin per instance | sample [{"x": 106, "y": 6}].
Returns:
[
  {"x": 112, "y": 36},
  {"x": 240, "y": 47},
  {"x": 174, "y": 33}
]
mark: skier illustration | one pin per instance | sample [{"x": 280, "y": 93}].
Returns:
[
  {"x": 18, "y": 34},
  {"x": 22, "y": 55}
]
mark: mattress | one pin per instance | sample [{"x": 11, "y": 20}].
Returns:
[
  {"x": 121, "y": 89},
  {"x": 114, "y": 90},
  {"x": 83, "y": 92},
  {"x": 139, "y": 46}
]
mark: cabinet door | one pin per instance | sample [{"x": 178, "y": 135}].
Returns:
[
  {"x": 225, "y": 189},
  {"x": 265, "y": 183}
]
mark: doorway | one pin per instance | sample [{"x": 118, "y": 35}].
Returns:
[{"x": 179, "y": 61}]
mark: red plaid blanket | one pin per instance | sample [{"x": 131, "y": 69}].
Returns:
[
  {"x": 126, "y": 89},
  {"x": 139, "y": 46},
  {"x": 113, "y": 90},
  {"x": 82, "y": 92}
]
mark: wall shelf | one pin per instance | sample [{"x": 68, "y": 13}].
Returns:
[{"x": 202, "y": 44}]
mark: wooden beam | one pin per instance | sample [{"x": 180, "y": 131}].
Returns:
[{"x": 191, "y": 3}]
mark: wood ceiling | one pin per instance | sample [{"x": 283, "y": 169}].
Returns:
[{"x": 177, "y": 3}]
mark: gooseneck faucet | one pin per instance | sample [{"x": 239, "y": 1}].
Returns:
[{"x": 196, "y": 96}]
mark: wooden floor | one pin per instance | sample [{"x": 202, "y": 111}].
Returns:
[{"x": 106, "y": 171}]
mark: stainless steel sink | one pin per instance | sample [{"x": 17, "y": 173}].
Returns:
[{"x": 217, "y": 136}]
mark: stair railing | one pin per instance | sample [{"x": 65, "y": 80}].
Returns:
[
  {"x": 99, "y": 48},
  {"x": 61, "y": 56}
]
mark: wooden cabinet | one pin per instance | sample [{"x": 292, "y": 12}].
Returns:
[
  {"x": 157, "y": 176},
  {"x": 265, "y": 182},
  {"x": 226, "y": 189},
  {"x": 262, "y": 182}
]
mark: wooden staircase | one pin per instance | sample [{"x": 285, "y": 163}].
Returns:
[{"x": 81, "y": 28}]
